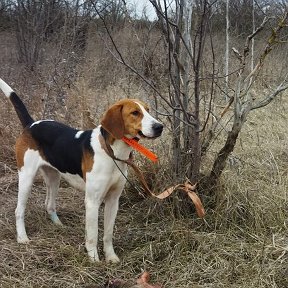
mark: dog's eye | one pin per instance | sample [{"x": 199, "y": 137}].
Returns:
[{"x": 135, "y": 113}]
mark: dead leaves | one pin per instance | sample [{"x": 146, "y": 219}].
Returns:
[
  {"x": 142, "y": 282},
  {"x": 190, "y": 190}
]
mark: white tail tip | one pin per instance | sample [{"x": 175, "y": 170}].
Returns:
[{"x": 7, "y": 90}]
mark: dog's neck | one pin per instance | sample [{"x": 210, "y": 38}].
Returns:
[
  {"x": 107, "y": 136},
  {"x": 120, "y": 149}
]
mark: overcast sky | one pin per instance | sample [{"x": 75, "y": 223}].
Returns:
[{"x": 140, "y": 4}]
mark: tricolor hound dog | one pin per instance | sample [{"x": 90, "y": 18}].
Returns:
[{"x": 78, "y": 156}]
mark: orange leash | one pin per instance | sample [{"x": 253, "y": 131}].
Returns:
[
  {"x": 187, "y": 186},
  {"x": 144, "y": 151},
  {"x": 190, "y": 190}
]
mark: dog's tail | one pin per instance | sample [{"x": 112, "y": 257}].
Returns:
[{"x": 21, "y": 110}]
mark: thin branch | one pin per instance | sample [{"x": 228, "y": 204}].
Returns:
[
  {"x": 242, "y": 58},
  {"x": 122, "y": 60},
  {"x": 160, "y": 15},
  {"x": 173, "y": 41},
  {"x": 270, "y": 97},
  {"x": 273, "y": 40},
  {"x": 253, "y": 34},
  {"x": 212, "y": 84},
  {"x": 212, "y": 135}
]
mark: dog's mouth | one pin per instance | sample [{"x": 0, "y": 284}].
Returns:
[
  {"x": 140, "y": 133},
  {"x": 142, "y": 136},
  {"x": 136, "y": 138},
  {"x": 154, "y": 132}
]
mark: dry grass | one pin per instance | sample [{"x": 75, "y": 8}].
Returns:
[{"x": 241, "y": 243}]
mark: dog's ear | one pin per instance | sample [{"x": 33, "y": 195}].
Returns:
[{"x": 113, "y": 122}]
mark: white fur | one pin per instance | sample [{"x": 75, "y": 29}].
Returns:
[
  {"x": 104, "y": 183},
  {"x": 78, "y": 134},
  {"x": 147, "y": 122},
  {"x": 32, "y": 162},
  {"x": 74, "y": 180},
  {"x": 39, "y": 121},
  {"x": 7, "y": 90}
]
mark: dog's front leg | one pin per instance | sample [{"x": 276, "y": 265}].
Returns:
[
  {"x": 110, "y": 212},
  {"x": 92, "y": 204}
]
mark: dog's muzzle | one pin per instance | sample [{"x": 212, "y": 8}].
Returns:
[{"x": 157, "y": 129}]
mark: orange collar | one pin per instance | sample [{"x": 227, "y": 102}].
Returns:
[{"x": 135, "y": 145}]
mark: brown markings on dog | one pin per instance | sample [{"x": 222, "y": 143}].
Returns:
[
  {"x": 133, "y": 124},
  {"x": 24, "y": 142},
  {"x": 87, "y": 163},
  {"x": 124, "y": 117}
]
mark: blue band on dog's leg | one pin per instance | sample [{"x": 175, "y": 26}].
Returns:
[{"x": 54, "y": 218}]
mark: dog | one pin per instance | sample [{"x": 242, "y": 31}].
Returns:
[{"x": 58, "y": 150}]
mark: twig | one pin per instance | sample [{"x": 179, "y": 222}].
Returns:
[
  {"x": 264, "y": 102},
  {"x": 122, "y": 60}
]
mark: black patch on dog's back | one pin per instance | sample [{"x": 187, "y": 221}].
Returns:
[{"x": 60, "y": 147}]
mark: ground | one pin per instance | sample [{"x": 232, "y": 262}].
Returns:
[{"x": 242, "y": 241}]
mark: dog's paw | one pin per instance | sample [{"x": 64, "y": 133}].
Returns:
[
  {"x": 93, "y": 256},
  {"x": 55, "y": 219},
  {"x": 23, "y": 240},
  {"x": 113, "y": 258}
]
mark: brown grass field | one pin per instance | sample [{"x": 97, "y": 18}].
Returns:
[{"x": 241, "y": 243}]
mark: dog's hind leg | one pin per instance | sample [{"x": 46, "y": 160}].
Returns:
[
  {"x": 52, "y": 181},
  {"x": 26, "y": 177}
]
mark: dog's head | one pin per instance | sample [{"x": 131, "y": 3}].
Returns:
[{"x": 131, "y": 118}]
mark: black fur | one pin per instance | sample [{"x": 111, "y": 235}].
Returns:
[
  {"x": 21, "y": 110},
  {"x": 56, "y": 140},
  {"x": 60, "y": 147}
]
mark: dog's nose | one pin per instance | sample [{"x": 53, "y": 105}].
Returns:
[{"x": 157, "y": 128}]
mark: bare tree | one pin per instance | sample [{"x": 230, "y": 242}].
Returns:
[
  {"x": 191, "y": 99},
  {"x": 4, "y": 14},
  {"x": 180, "y": 53},
  {"x": 30, "y": 31},
  {"x": 253, "y": 39},
  {"x": 226, "y": 71},
  {"x": 38, "y": 22},
  {"x": 185, "y": 52},
  {"x": 244, "y": 99}
]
